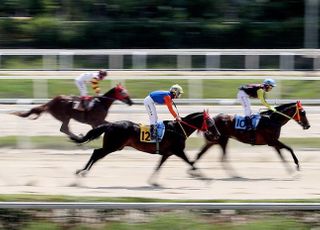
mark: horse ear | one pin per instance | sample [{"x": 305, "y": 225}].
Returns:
[
  {"x": 119, "y": 85},
  {"x": 299, "y": 104},
  {"x": 206, "y": 113}
]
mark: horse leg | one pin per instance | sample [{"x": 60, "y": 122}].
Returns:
[
  {"x": 225, "y": 164},
  {"x": 154, "y": 175},
  {"x": 65, "y": 128},
  {"x": 279, "y": 145},
  {"x": 96, "y": 155},
  {"x": 182, "y": 155},
  {"x": 203, "y": 150}
]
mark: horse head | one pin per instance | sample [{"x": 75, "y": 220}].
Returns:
[
  {"x": 300, "y": 116},
  {"x": 119, "y": 93},
  {"x": 209, "y": 127},
  {"x": 202, "y": 122},
  {"x": 294, "y": 111}
]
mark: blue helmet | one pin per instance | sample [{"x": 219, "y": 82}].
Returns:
[{"x": 270, "y": 81}]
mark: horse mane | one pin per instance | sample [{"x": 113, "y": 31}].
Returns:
[
  {"x": 192, "y": 115},
  {"x": 278, "y": 108},
  {"x": 108, "y": 92},
  {"x": 170, "y": 122},
  {"x": 284, "y": 106}
]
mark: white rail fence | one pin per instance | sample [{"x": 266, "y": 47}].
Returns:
[{"x": 63, "y": 59}]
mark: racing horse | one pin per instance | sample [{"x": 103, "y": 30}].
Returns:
[
  {"x": 119, "y": 134},
  {"x": 267, "y": 131},
  {"x": 62, "y": 108}
]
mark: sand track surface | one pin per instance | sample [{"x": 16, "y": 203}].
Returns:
[{"x": 260, "y": 172}]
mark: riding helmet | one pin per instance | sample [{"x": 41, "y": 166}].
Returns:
[
  {"x": 176, "y": 89},
  {"x": 270, "y": 82}
]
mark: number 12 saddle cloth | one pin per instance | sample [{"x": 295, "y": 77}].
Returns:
[{"x": 145, "y": 135}]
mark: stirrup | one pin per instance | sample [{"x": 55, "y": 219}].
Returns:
[{"x": 153, "y": 132}]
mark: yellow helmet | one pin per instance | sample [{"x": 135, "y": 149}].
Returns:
[{"x": 176, "y": 90}]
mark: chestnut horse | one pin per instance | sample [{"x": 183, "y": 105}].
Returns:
[
  {"x": 119, "y": 134},
  {"x": 62, "y": 108},
  {"x": 266, "y": 133}
]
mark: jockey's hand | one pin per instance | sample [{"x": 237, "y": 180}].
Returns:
[
  {"x": 96, "y": 99},
  {"x": 273, "y": 109},
  {"x": 178, "y": 118}
]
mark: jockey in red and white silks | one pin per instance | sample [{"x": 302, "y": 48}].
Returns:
[{"x": 93, "y": 78}]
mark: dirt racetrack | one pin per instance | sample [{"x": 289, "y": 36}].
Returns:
[{"x": 124, "y": 174}]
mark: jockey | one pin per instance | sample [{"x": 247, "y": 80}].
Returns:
[
  {"x": 161, "y": 97},
  {"x": 254, "y": 91},
  {"x": 94, "y": 79}
]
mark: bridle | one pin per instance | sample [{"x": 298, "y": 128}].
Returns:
[
  {"x": 204, "y": 126},
  {"x": 117, "y": 94},
  {"x": 296, "y": 115}
]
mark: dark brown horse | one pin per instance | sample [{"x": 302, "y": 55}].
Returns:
[
  {"x": 266, "y": 133},
  {"x": 62, "y": 108},
  {"x": 119, "y": 134}
]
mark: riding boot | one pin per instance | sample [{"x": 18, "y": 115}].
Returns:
[
  {"x": 250, "y": 129},
  {"x": 153, "y": 132},
  {"x": 85, "y": 104},
  {"x": 248, "y": 123}
]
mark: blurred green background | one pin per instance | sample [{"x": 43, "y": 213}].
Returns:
[
  {"x": 151, "y": 24},
  {"x": 288, "y": 89}
]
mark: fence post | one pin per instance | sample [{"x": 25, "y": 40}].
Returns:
[
  {"x": 66, "y": 60},
  {"x": 116, "y": 62},
  {"x": 316, "y": 63},
  {"x": 139, "y": 60},
  {"x": 213, "y": 60},
  {"x": 184, "y": 62},
  {"x": 286, "y": 61},
  {"x": 252, "y": 62}
]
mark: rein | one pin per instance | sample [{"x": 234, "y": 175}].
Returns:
[
  {"x": 294, "y": 115},
  {"x": 109, "y": 98},
  {"x": 204, "y": 127}
]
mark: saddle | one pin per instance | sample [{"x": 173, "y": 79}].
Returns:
[
  {"x": 145, "y": 134},
  {"x": 241, "y": 124},
  {"x": 83, "y": 104}
]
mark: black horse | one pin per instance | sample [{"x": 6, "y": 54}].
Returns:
[
  {"x": 126, "y": 133},
  {"x": 266, "y": 133},
  {"x": 62, "y": 108}
]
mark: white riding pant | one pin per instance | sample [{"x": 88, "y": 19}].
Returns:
[
  {"x": 151, "y": 109},
  {"x": 82, "y": 87},
  {"x": 244, "y": 99}
]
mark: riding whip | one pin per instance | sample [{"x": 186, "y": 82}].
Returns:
[{"x": 184, "y": 132}]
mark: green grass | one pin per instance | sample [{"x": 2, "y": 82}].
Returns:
[
  {"x": 175, "y": 221},
  {"x": 162, "y": 219},
  {"x": 63, "y": 143},
  {"x": 290, "y": 89},
  {"x": 64, "y": 198}
]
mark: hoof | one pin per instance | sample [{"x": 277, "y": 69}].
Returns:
[
  {"x": 194, "y": 173},
  {"x": 156, "y": 185},
  {"x": 81, "y": 173}
]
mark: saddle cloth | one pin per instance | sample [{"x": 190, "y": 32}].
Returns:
[
  {"x": 241, "y": 124},
  {"x": 77, "y": 105},
  {"x": 145, "y": 135}
]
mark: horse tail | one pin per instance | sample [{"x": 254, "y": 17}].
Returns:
[
  {"x": 36, "y": 110},
  {"x": 92, "y": 134}
]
